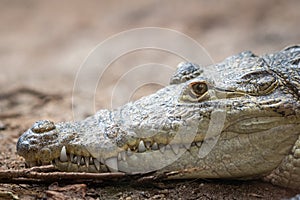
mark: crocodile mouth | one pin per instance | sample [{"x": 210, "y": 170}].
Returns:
[
  {"x": 126, "y": 154},
  {"x": 138, "y": 159},
  {"x": 141, "y": 155}
]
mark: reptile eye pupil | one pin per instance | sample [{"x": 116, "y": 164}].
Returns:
[{"x": 199, "y": 88}]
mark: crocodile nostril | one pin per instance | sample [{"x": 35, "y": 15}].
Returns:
[{"x": 43, "y": 126}]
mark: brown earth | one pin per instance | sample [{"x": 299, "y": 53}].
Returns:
[{"x": 42, "y": 45}]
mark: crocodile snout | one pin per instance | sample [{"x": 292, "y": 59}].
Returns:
[{"x": 37, "y": 139}]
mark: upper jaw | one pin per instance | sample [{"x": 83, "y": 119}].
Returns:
[{"x": 73, "y": 150}]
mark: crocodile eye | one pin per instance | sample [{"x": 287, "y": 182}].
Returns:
[
  {"x": 195, "y": 92},
  {"x": 198, "y": 88}
]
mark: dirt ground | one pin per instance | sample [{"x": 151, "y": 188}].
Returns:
[{"x": 43, "y": 43}]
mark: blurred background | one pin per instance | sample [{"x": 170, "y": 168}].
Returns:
[{"x": 43, "y": 43}]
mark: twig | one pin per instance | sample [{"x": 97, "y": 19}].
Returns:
[
  {"x": 46, "y": 174},
  {"x": 26, "y": 90}
]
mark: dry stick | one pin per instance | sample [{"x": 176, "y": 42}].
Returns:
[{"x": 46, "y": 174}]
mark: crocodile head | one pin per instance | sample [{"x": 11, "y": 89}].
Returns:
[{"x": 242, "y": 123}]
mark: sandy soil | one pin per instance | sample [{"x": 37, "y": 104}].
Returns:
[{"x": 42, "y": 45}]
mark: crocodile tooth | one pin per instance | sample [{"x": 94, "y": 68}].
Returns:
[
  {"x": 154, "y": 146},
  {"x": 112, "y": 164},
  {"x": 87, "y": 161},
  {"x": 75, "y": 159},
  {"x": 102, "y": 160},
  {"x": 141, "y": 147},
  {"x": 175, "y": 148},
  {"x": 78, "y": 160},
  {"x": 72, "y": 157},
  {"x": 148, "y": 144},
  {"x": 63, "y": 155},
  {"x": 97, "y": 164},
  {"x": 198, "y": 144},
  {"x": 123, "y": 155},
  {"x": 162, "y": 147},
  {"x": 119, "y": 156},
  {"x": 82, "y": 161},
  {"x": 168, "y": 148},
  {"x": 129, "y": 152},
  {"x": 91, "y": 160}
]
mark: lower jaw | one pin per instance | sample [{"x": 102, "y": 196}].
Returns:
[{"x": 72, "y": 167}]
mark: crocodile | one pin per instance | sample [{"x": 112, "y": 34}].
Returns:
[{"x": 237, "y": 119}]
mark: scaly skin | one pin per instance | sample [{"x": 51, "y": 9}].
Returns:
[{"x": 243, "y": 122}]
